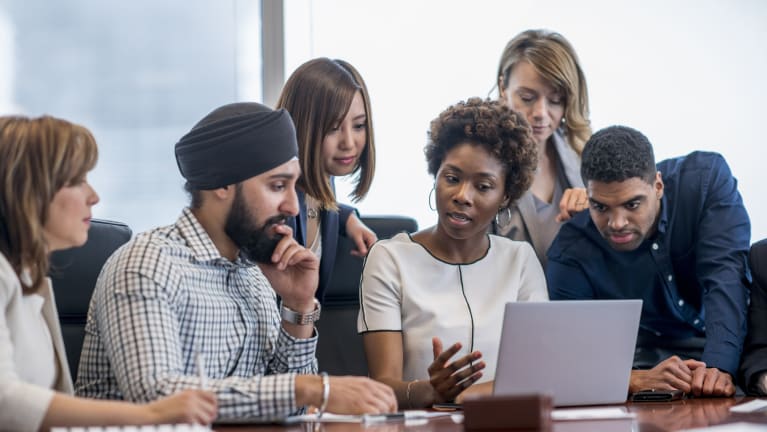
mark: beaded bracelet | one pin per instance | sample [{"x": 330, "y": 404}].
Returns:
[
  {"x": 407, "y": 393},
  {"x": 325, "y": 393}
]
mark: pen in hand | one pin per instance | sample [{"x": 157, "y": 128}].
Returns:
[{"x": 200, "y": 360}]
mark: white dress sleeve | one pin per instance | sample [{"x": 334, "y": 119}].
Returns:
[
  {"x": 380, "y": 292},
  {"x": 22, "y": 405},
  {"x": 532, "y": 280}
]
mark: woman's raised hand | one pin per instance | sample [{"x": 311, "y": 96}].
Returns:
[{"x": 449, "y": 379}]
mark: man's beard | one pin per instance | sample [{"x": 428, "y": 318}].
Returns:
[{"x": 254, "y": 242}]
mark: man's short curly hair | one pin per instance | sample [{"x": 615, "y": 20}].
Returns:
[
  {"x": 618, "y": 153},
  {"x": 492, "y": 125}
]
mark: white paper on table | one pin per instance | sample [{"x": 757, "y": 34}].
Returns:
[
  {"x": 326, "y": 417},
  {"x": 754, "y": 405},
  {"x": 730, "y": 427},
  {"x": 410, "y": 416},
  {"x": 590, "y": 414}
]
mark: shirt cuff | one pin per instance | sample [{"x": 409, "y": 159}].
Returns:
[
  {"x": 277, "y": 395},
  {"x": 266, "y": 397},
  {"x": 721, "y": 361},
  {"x": 298, "y": 355}
]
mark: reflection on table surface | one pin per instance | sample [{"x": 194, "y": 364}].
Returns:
[
  {"x": 689, "y": 413},
  {"x": 650, "y": 417}
]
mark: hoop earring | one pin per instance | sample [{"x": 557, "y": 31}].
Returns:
[
  {"x": 431, "y": 192},
  {"x": 503, "y": 219}
]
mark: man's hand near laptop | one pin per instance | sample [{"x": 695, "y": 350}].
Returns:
[
  {"x": 294, "y": 275},
  {"x": 690, "y": 376}
]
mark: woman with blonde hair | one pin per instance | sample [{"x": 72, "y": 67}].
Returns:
[
  {"x": 330, "y": 107},
  {"x": 540, "y": 77},
  {"x": 45, "y": 205}
]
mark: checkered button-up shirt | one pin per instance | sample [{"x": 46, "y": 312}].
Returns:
[{"x": 169, "y": 294}]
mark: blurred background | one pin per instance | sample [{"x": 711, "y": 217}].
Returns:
[{"x": 139, "y": 74}]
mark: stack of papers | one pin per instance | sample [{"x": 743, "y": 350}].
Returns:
[{"x": 150, "y": 428}]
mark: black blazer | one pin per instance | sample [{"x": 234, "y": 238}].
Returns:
[
  {"x": 754, "y": 358},
  {"x": 332, "y": 224}
]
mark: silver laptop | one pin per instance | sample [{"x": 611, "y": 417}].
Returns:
[{"x": 579, "y": 352}]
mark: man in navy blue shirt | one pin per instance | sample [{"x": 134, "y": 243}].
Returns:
[{"x": 677, "y": 237}]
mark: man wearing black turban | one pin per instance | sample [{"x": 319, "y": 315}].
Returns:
[{"x": 187, "y": 300}]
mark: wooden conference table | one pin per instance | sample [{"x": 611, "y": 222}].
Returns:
[{"x": 650, "y": 417}]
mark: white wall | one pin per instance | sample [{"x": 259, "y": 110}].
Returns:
[{"x": 687, "y": 73}]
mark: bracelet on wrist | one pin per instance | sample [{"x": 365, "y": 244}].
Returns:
[
  {"x": 325, "y": 393},
  {"x": 407, "y": 393}
]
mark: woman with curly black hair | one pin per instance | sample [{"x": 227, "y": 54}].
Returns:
[{"x": 450, "y": 282}]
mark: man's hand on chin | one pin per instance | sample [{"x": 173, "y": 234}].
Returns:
[{"x": 293, "y": 272}]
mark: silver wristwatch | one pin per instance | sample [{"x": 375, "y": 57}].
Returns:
[{"x": 294, "y": 317}]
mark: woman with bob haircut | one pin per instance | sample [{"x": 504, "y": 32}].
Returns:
[
  {"x": 330, "y": 107},
  {"x": 540, "y": 77},
  {"x": 45, "y": 205},
  {"x": 450, "y": 282}
]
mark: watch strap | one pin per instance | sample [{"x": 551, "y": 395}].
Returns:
[{"x": 293, "y": 317}]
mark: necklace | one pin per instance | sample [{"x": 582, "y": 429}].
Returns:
[{"x": 312, "y": 208}]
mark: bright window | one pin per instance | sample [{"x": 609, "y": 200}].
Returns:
[
  {"x": 687, "y": 73},
  {"x": 138, "y": 74}
]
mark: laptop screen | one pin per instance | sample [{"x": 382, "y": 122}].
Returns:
[{"x": 580, "y": 352}]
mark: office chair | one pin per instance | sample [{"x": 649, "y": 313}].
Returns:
[
  {"x": 754, "y": 355},
  {"x": 73, "y": 275},
  {"x": 339, "y": 348}
]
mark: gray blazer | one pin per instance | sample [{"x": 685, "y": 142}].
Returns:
[
  {"x": 23, "y": 405},
  {"x": 525, "y": 225}
]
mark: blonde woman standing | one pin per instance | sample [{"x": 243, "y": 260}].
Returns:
[{"x": 540, "y": 77}]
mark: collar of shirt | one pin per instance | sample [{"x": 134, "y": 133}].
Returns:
[{"x": 202, "y": 246}]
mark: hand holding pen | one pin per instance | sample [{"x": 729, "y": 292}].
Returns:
[{"x": 200, "y": 360}]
